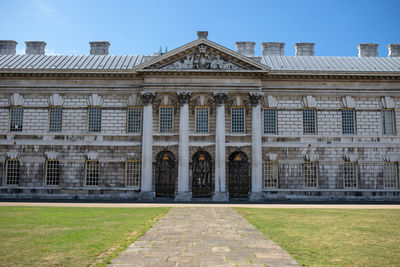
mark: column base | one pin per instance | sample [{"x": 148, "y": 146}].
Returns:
[
  {"x": 183, "y": 196},
  {"x": 147, "y": 196},
  {"x": 220, "y": 196},
  {"x": 256, "y": 196}
]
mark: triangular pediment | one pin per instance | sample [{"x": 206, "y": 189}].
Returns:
[{"x": 202, "y": 55}]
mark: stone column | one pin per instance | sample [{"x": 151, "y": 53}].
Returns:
[
  {"x": 256, "y": 193},
  {"x": 183, "y": 193},
  {"x": 220, "y": 193},
  {"x": 147, "y": 146}
]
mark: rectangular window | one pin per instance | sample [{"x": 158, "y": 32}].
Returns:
[
  {"x": 134, "y": 119},
  {"x": 132, "y": 173},
  {"x": 94, "y": 119},
  {"x": 12, "y": 171},
  {"x": 201, "y": 119},
  {"x": 238, "y": 119},
  {"x": 310, "y": 170},
  {"x": 348, "y": 121},
  {"x": 92, "y": 172},
  {"x": 55, "y": 119},
  {"x": 350, "y": 171},
  {"x": 16, "y": 119},
  {"x": 166, "y": 119},
  {"x": 270, "y": 174},
  {"x": 309, "y": 121},
  {"x": 390, "y": 176},
  {"x": 52, "y": 172},
  {"x": 270, "y": 120},
  {"x": 388, "y": 122}
]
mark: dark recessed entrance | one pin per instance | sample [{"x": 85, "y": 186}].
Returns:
[
  {"x": 238, "y": 175},
  {"x": 165, "y": 174},
  {"x": 201, "y": 175}
]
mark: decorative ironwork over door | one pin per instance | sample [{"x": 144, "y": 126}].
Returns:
[
  {"x": 201, "y": 175},
  {"x": 165, "y": 174},
  {"x": 238, "y": 175}
]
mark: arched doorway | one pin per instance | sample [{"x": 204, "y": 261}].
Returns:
[
  {"x": 238, "y": 175},
  {"x": 165, "y": 174},
  {"x": 201, "y": 175}
]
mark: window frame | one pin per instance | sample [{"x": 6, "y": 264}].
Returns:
[
  {"x": 384, "y": 121},
  {"x": 208, "y": 119},
  {"x": 354, "y": 121},
  {"x": 159, "y": 118},
  {"x": 396, "y": 175},
  {"x": 316, "y": 174},
  {"x": 348, "y": 180},
  {"x": 276, "y": 120},
  {"x": 244, "y": 119},
  {"x": 49, "y": 121},
  {"x": 88, "y": 119},
  {"x": 86, "y": 172},
  {"x": 11, "y": 118},
  {"x": 273, "y": 164},
  {"x": 46, "y": 183},
  {"x": 315, "y": 121},
  {"x": 140, "y": 122},
  {"x": 6, "y": 176},
  {"x": 139, "y": 175}
]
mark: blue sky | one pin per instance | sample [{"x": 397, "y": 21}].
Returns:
[{"x": 140, "y": 27}]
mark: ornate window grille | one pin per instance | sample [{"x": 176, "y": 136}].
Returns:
[
  {"x": 350, "y": 175},
  {"x": 270, "y": 120},
  {"x": 132, "y": 173},
  {"x": 309, "y": 121},
  {"x": 310, "y": 170},
  {"x": 270, "y": 174},
  {"x": 55, "y": 119},
  {"x": 12, "y": 171},
  {"x": 390, "y": 175},
  {"x": 52, "y": 172},
  {"x": 202, "y": 119},
  {"x": 238, "y": 119},
  {"x": 16, "y": 118},
  {"x": 388, "y": 122},
  {"x": 134, "y": 120},
  {"x": 92, "y": 172},
  {"x": 348, "y": 121},
  {"x": 94, "y": 119},
  {"x": 166, "y": 119}
]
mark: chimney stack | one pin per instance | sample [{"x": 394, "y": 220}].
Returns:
[
  {"x": 202, "y": 34},
  {"x": 367, "y": 50},
  {"x": 273, "y": 49},
  {"x": 35, "y": 48},
  {"x": 304, "y": 49},
  {"x": 394, "y": 50},
  {"x": 245, "y": 48},
  {"x": 99, "y": 47},
  {"x": 8, "y": 47}
]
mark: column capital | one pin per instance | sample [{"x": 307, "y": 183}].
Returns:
[
  {"x": 184, "y": 97},
  {"x": 148, "y": 97},
  {"x": 220, "y": 98},
  {"x": 255, "y": 98}
]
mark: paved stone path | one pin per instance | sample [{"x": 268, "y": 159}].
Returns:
[{"x": 203, "y": 237}]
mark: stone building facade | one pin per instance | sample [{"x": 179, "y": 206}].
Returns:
[{"x": 200, "y": 121}]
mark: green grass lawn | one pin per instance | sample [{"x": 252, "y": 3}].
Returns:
[
  {"x": 332, "y": 237},
  {"x": 44, "y": 236}
]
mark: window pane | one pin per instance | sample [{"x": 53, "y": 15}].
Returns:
[
  {"x": 92, "y": 173},
  {"x": 133, "y": 173},
  {"x": 270, "y": 174},
  {"x": 238, "y": 120},
  {"x": 390, "y": 176},
  {"x": 16, "y": 120},
  {"x": 202, "y": 114},
  {"x": 270, "y": 121},
  {"x": 309, "y": 121},
  {"x": 387, "y": 122},
  {"x": 348, "y": 121},
  {"x": 166, "y": 119},
  {"x": 310, "y": 174},
  {"x": 55, "y": 124},
  {"x": 52, "y": 172},
  {"x": 350, "y": 175},
  {"x": 134, "y": 120},
  {"x": 12, "y": 174},
  {"x": 95, "y": 119}
]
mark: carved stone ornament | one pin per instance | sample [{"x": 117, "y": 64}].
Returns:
[
  {"x": 350, "y": 158},
  {"x": 16, "y": 100},
  {"x": 220, "y": 98},
  {"x": 95, "y": 100},
  {"x": 309, "y": 102},
  {"x": 56, "y": 100},
  {"x": 255, "y": 98},
  {"x": 12, "y": 155},
  {"x": 311, "y": 157},
  {"x": 184, "y": 97},
  {"x": 92, "y": 155},
  {"x": 148, "y": 98},
  {"x": 51, "y": 155},
  {"x": 348, "y": 102},
  {"x": 133, "y": 100},
  {"x": 271, "y": 102},
  {"x": 201, "y": 60},
  {"x": 387, "y": 102}
]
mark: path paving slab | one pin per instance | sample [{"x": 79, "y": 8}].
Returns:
[{"x": 203, "y": 237}]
